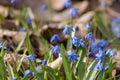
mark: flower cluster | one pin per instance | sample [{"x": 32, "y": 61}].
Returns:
[
  {"x": 77, "y": 42},
  {"x": 55, "y": 39},
  {"x": 72, "y": 56},
  {"x": 68, "y": 30},
  {"x": 99, "y": 50}
]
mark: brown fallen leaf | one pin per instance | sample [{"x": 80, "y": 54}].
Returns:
[
  {"x": 62, "y": 16},
  {"x": 14, "y": 58},
  {"x": 57, "y": 4},
  {"x": 55, "y": 64},
  {"x": 114, "y": 72},
  {"x": 112, "y": 12},
  {"x": 3, "y": 11},
  {"x": 85, "y": 18}
]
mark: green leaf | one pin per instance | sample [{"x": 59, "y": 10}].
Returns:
[
  {"x": 90, "y": 75},
  {"x": 10, "y": 71},
  {"x": 3, "y": 74},
  {"x": 101, "y": 26},
  {"x": 21, "y": 60},
  {"x": 29, "y": 45},
  {"x": 20, "y": 45},
  {"x": 67, "y": 68},
  {"x": 80, "y": 64},
  {"x": 38, "y": 75},
  {"x": 101, "y": 76}
]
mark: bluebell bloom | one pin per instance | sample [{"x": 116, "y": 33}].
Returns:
[
  {"x": 76, "y": 28},
  {"x": 100, "y": 56},
  {"x": 27, "y": 73},
  {"x": 38, "y": 69},
  {"x": 116, "y": 27},
  {"x": 32, "y": 57},
  {"x": 103, "y": 4},
  {"x": 29, "y": 20},
  {"x": 22, "y": 29},
  {"x": 67, "y": 3},
  {"x": 94, "y": 48},
  {"x": 88, "y": 26},
  {"x": 111, "y": 52},
  {"x": 99, "y": 67},
  {"x": 44, "y": 7},
  {"x": 72, "y": 56},
  {"x": 56, "y": 49},
  {"x": 90, "y": 36},
  {"x": 82, "y": 43},
  {"x": 94, "y": 79},
  {"x": 44, "y": 62},
  {"x": 103, "y": 44},
  {"x": 5, "y": 47},
  {"x": 67, "y": 30},
  {"x": 74, "y": 12},
  {"x": 55, "y": 38},
  {"x": 14, "y": 1},
  {"x": 76, "y": 41},
  {"x": 14, "y": 78}
]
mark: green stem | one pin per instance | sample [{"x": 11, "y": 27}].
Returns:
[
  {"x": 72, "y": 22},
  {"x": 86, "y": 66},
  {"x": 50, "y": 9}
]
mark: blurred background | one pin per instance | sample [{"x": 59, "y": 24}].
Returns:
[{"x": 100, "y": 13}]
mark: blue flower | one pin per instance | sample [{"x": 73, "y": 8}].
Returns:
[
  {"x": 67, "y": 30},
  {"x": 116, "y": 27},
  {"x": 44, "y": 62},
  {"x": 89, "y": 26},
  {"x": 38, "y": 71},
  {"x": 67, "y": 3},
  {"x": 103, "y": 4},
  {"x": 90, "y": 36},
  {"x": 22, "y": 29},
  {"x": 5, "y": 47},
  {"x": 27, "y": 73},
  {"x": 103, "y": 44},
  {"x": 99, "y": 67},
  {"x": 72, "y": 56},
  {"x": 111, "y": 52},
  {"x": 55, "y": 38},
  {"x": 29, "y": 20},
  {"x": 14, "y": 78},
  {"x": 76, "y": 28},
  {"x": 82, "y": 43},
  {"x": 14, "y": 1},
  {"x": 76, "y": 41},
  {"x": 56, "y": 49},
  {"x": 100, "y": 56},
  {"x": 32, "y": 57},
  {"x": 94, "y": 48},
  {"x": 74, "y": 12},
  {"x": 44, "y": 7}
]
